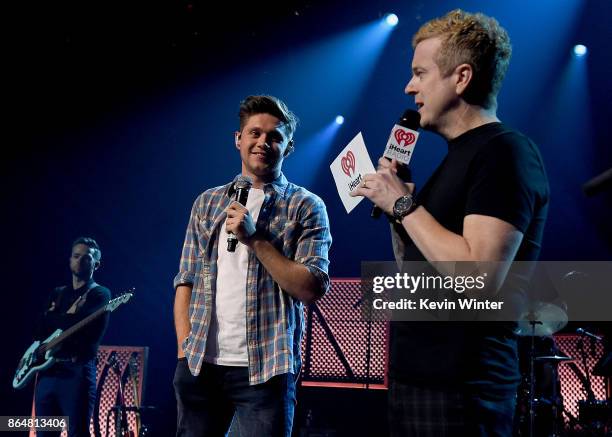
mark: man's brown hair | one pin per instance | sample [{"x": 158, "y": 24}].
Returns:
[{"x": 267, "y": 105}]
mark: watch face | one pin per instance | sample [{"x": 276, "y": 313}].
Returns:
[{"x": 402, "y": 206}]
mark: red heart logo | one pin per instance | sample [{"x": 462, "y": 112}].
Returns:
[
  {"x": 348, "y": 163},
  {"x": 404, "y": 136}
]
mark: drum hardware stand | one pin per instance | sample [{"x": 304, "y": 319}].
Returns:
[{"x": 533, "y": 324}]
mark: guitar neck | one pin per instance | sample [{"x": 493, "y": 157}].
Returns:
[{"x": 73, "y": 329}]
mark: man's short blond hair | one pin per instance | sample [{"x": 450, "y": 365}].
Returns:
[{"x": 474, "y": 39}]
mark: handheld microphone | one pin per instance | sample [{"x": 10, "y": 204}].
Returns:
[
  {"x": 241, "y": 193},
  {"x": 400, "y": 146}
]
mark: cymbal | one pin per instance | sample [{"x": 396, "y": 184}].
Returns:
[
  {"x": 554, "y": 358},
  {"x": 541, "y": 319}
]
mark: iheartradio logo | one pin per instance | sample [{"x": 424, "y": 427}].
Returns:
[
  {"x": 347, "y": 168},
  {"x": 406, "y": 137},
  {"x": 348, "y": 163}
]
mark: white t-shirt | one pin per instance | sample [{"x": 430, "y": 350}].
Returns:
[{"x": 226, "y": 340}]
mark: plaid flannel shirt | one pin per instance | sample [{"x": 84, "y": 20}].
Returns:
[{"x": 295, "y": 222}]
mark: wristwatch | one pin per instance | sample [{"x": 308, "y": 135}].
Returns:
[{"x": 403, "y": 206}]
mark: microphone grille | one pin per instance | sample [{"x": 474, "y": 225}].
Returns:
[
  {"x": 243, "y": 182},
  {"x": 411, "y": 119}
]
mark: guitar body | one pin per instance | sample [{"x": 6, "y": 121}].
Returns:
[{"x": 33, "y": 362}]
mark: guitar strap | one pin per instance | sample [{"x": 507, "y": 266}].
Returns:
[{"x": 76, "y": 306}]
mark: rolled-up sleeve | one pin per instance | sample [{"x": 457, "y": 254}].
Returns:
[
  {"x": 315, "y": 241},
  {"x": 191, "y": 248}
]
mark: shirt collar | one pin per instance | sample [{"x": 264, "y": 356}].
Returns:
[
  {"x": 279, "y": 185},
  {"x": 84, "y": 286}
]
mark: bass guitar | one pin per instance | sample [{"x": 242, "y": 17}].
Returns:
[{"x": 39, "y": 356}]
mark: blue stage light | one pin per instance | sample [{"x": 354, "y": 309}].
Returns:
[
  {"x": 391, "y": 20},
  {"x": 339, "y": 119},
  {"x": 580, "y": 50}
]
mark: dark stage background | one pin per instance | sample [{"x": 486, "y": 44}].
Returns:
[{"x": 118, "y": 114}]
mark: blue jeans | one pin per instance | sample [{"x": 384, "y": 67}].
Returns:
[
  {"x": 67, "y": 389},
  {"x": 207, "y": 403}
]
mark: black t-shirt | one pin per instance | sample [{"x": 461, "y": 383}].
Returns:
[
  {"x": 83, "y": 345},
  {"x": 490, "y": 170}
]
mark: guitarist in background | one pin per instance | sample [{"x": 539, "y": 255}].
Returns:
[{"x": 68, "y": 387}]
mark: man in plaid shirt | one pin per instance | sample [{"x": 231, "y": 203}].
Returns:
[{"x": 239, "y": 315}]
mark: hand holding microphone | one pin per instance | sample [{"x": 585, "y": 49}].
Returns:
[
  {"x": 383, "y": 188},
  {"x": 239, "y": 222},
  {"x": 400, "y": 146}
]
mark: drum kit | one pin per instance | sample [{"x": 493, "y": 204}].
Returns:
[{"x": 540, "y": 411}]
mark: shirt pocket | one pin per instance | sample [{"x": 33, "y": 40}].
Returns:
[
  {"x": 284, "y": 235},
  {"x": 205, "y": 229}
]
